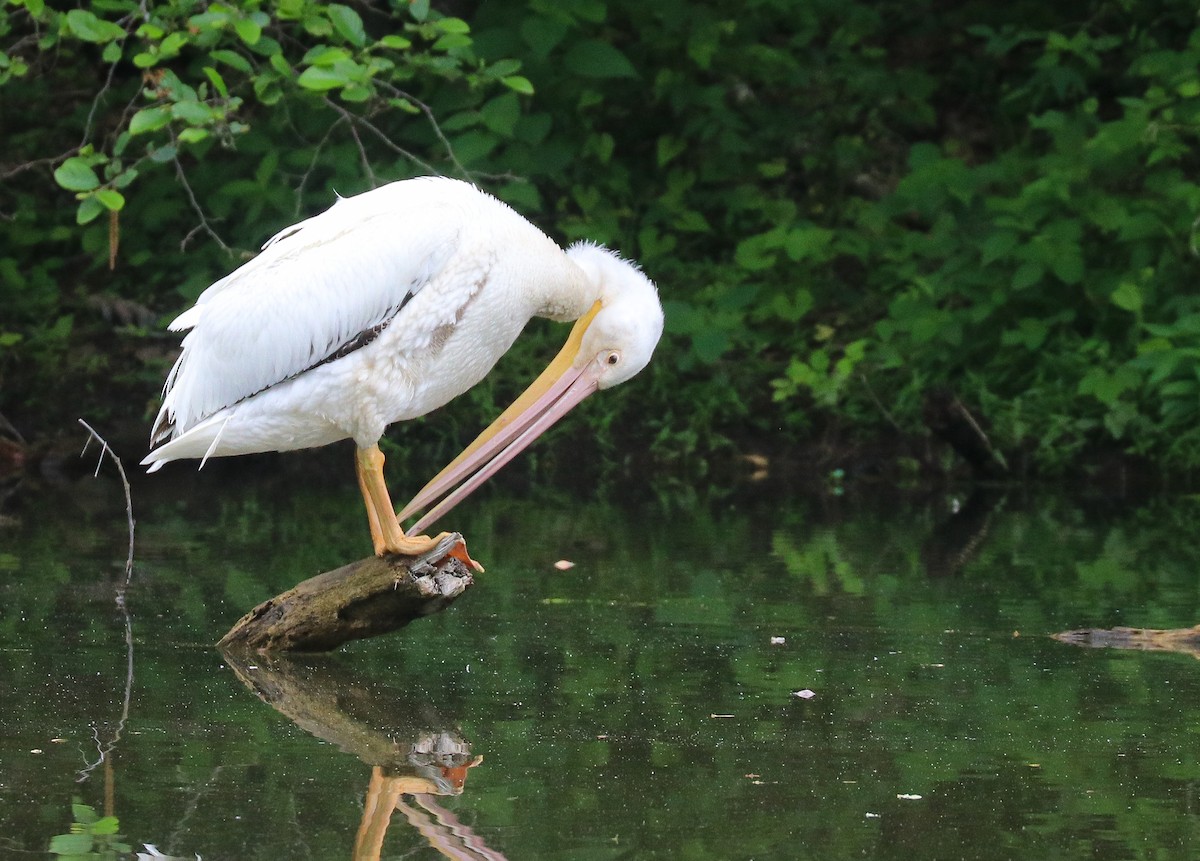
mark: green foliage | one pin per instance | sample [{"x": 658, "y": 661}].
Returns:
[
  {"x": 218, "y": 122},
  {"x": 91, "y": 837},
  {"x": 846, "y": 205},
  {"x": 1036, "y": 275},
  {"x": 207, "y": 73}
]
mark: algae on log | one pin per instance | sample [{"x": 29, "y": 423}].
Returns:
[{"x": 366, "y": 598}]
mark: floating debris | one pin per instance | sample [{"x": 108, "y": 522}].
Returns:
[
  {"x": 905, "y": 796},
  {"x": 778, "y": 641},
  {"x": 805, "y": 694}
]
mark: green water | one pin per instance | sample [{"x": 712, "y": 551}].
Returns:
[{"x": 645, "y": 703}]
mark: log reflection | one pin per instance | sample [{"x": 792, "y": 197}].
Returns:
[
  {"x": 1182, "y": 640},
  {"x": 414, "y": 752}
]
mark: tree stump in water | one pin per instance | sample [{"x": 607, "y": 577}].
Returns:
[{"x": 366, "y": 598}]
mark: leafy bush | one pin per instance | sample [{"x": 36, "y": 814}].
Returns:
[
  {"x": 198, "y": 129},
  {"x": 847, "y": 205}
]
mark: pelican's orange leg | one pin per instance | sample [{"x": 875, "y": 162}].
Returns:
[
  {"x": 386, "y": 533},
  {"x": 381, "y": 800}
]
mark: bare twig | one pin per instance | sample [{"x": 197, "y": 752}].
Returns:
[
  {"x": 203, "y": 225},
  {"x": 433, "y": 124},
  {"x": 105, "y": 449},
  {"x": 354, "y": 119},
  {"x": 87, "y": 126},
  {"x": 879, "y": 404},
  {"x": 312, "y": 163},
  {"x": 9, "y": 428},
  {"x": 37, "y": 162},
  {"x": 362, "y": 155}
]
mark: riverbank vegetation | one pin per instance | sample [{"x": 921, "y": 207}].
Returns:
[{"x": 854, "y": 210}]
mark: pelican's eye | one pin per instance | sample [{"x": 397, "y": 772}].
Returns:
[{"x": 613, "y": 357}]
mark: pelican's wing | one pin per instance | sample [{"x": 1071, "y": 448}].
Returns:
[{"x": 317, "y": 288}]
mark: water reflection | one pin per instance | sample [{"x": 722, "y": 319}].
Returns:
[
  {"x": 415, "y": 753},
  {"x": 632, "y": 706},
  {"x": 958, "y": 538}
]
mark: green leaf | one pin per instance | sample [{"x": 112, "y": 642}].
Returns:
[
  {"x": 772, "y": 169},
  {"x": 112, "y": 52},
  {"x": 355, "y": 93},
  {"x": 668, "y": 147},
  {"x": 1068, "y": 266},
  {"x": 501, "y": 114},
  {"x": 75, "y": 174},
  {"x": 348, "y": 24},
  {"x": 84, "y": 813},
  {"x": 451, "y": 41},
  {"x": 89, "y": 209},
  {"x": 1189, "y": 89},
  {"x": 755, "y": 253},
  {"x": 324, "y": 55},
  {"x": 419, "y": 9},
  {"x": 503, "y": 68},
  {"x": 218, "y": 82},
  {"x": 592, "y": 58},
  {"x": 86, "y": 26},
  {"x": 127, "y": 176},
  {"x": 171, "y": 45},
  {"x": 322, "y": 78},
  {"x": 1128, "y": 297},
  {"x": 248, "y": 31},
  {"x": 164, "y": 153},
  {"x": 998, "y": 246},
  {"x": 518, "y": 84},
  {"x": 149, "y": 119},
  {"x": 1027, "y": 275},
  {"x": 233, "y": 60},
  {"x": 110, "y": 199},
  {"x": 71, "y": 844},
  {"x": 106, "y": 826},
  {"x": 542, "y": 34},
  {"x": 193, "y": 135},
  {"x": 192, "y": 113},
  {"x": 453, "y": 25},
  {"x": 710, "y": 345},
  {"x": 807, "y": 242}
]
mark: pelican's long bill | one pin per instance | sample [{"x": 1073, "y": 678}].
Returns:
[{"x": 555, "y": 392}]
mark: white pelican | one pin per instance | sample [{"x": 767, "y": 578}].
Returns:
[{"x": 383, "y": 308}]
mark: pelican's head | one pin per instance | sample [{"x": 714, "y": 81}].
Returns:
[
  {"x": 622, "y": 335},
  {"x": 609, "y": 344}
]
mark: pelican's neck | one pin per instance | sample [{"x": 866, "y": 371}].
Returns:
[{"x": 564, "y": 291}]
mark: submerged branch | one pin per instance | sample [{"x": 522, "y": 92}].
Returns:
[{"x": 103, "y": 750}]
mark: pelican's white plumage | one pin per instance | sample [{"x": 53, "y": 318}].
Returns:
[{"x": 383, "y": 308}]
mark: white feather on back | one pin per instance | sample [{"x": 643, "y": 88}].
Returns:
[{"x": 316, "y": 287}]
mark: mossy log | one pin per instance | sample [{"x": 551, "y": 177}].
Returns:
[
  {"x": 366, "y": 598},
  {"x": 1184, "y": 640}
]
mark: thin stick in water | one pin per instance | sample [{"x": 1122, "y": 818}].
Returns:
[{"x": 106, "y": 449}]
